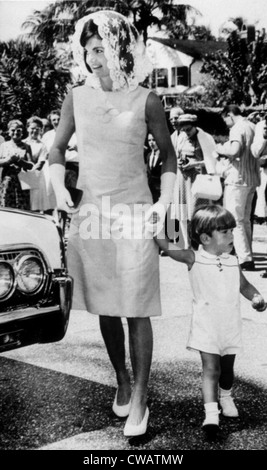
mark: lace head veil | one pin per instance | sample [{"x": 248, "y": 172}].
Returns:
[{"x": 123, "y": 48}]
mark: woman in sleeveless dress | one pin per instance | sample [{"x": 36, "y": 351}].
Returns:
[{"x": 111, "y": 253}]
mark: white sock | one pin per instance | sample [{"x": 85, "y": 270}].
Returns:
[
  {"x": 211, "y": 407},
  {"x": 224, "y": 393}
]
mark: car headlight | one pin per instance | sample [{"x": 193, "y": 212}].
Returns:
[
  {"x": 30, "y": 275},
  {"x": 6, "y": 279}
]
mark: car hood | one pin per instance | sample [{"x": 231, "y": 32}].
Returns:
[{"x": 17, "y": 228}]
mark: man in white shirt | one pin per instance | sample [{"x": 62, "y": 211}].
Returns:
[{"x": 242, "y": 176}]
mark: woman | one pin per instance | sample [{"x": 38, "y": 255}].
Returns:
[
  {"x": 38, "y": 192},
  {"x": 195, "y": 154},
  {"x": 15, "y": 156},
  {"x": 116, "y": 269}
]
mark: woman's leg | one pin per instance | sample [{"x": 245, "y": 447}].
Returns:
[
  {"x": 211, "y": 374},
  {"x": 141, "y": 345},
  {"x": 114, "y": 338}
]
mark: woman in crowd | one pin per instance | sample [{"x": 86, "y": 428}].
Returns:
[
  {"x": 15, "y": 156},
  {"x": 195, "y": 154},
  {"x": 38, "y": 192}
]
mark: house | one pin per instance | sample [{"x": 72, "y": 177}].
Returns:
[{"x": 177, "y": 63}]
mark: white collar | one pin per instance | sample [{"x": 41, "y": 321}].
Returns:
[{"x": 206, "y": 254}]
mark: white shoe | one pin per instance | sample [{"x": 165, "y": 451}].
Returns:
[
  {"x": 228, "y": 407},
  {"x": 121, "y": 411},
  {"x": 137, "y": 429},
  {"x": 211, "y": 421}
]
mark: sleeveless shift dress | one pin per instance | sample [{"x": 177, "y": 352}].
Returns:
[{"x": 113, "y": 260}]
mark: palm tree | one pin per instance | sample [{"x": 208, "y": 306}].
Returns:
[
  {"x": 31, "y": 80},
  {"x": 56, "y": 22}
]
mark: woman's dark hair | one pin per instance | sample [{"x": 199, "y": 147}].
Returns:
[
  {"x": 90, "y": 29},
  {"x": 206, "y": 219},
  {"x": 231, "y": 108}
]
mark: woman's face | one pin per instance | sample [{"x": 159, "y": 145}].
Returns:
[
  {"x": 189, "y": 130},
  {"x": 15, "y": 132},
  {"x": 34, "y": 131},
  {"x": 95, "y": 57}
]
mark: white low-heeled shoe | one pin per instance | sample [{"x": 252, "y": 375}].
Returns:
[
  {"x": 121, "y": 411},
  {"x": 131, "y": 430}
]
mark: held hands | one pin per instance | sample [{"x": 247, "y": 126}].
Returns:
[
  {"x": 155, "y": 217},
  {"x": 258, "y": 303}
]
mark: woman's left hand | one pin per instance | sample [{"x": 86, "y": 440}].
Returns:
[{"x": 155, "y": 217}]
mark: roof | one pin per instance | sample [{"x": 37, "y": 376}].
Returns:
[{"x": 195, "y": 49}]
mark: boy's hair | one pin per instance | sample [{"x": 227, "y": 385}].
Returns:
[{"x": 206, "y": 219}]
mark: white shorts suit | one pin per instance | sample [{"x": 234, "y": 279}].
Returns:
[{"x": 216, "y": 320}]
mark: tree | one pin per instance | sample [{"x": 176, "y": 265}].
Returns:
[
  {"x": 175, "y": 20},
  {"x": 56, "y": 22},
  {"x": 31, "y": 80},
  {"x": 240, "y": 73}
]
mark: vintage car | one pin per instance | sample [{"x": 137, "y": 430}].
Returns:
[{"x": 35, "y": 288}]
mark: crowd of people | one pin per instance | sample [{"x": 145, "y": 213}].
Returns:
[
  {"x": 109, "y": 118},
  {"x": 25, "y": 181},
  {"x": 241, "y": 163}
]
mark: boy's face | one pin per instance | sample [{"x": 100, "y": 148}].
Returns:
[{"x": 220, "y": 241}]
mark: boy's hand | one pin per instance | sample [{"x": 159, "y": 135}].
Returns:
[{"x": 258, "y": 303}]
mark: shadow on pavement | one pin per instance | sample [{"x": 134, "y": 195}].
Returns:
[{"x": 40, "y": 407}]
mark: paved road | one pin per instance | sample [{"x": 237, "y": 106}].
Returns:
[{"x": 59, "y": 396}]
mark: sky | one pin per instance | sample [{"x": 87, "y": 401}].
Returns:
[{"x": 215, "y": 13}]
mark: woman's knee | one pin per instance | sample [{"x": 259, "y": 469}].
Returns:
[{"x": 139, "y": 323}]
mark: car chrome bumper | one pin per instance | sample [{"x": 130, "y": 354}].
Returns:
[{"x": 65, "y": 284}]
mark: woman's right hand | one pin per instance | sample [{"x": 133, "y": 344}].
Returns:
[{"x": 64, "y": 201}]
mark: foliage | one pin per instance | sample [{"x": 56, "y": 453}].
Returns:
[
  {"x": 240, "y": 73},
  {"x": 31, "y": 80},
  {"x": 56, "y": 22},
  {"x": 175, "y": 20}
]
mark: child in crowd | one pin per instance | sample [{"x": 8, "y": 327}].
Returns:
[{"x": 216, "y": 281}]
